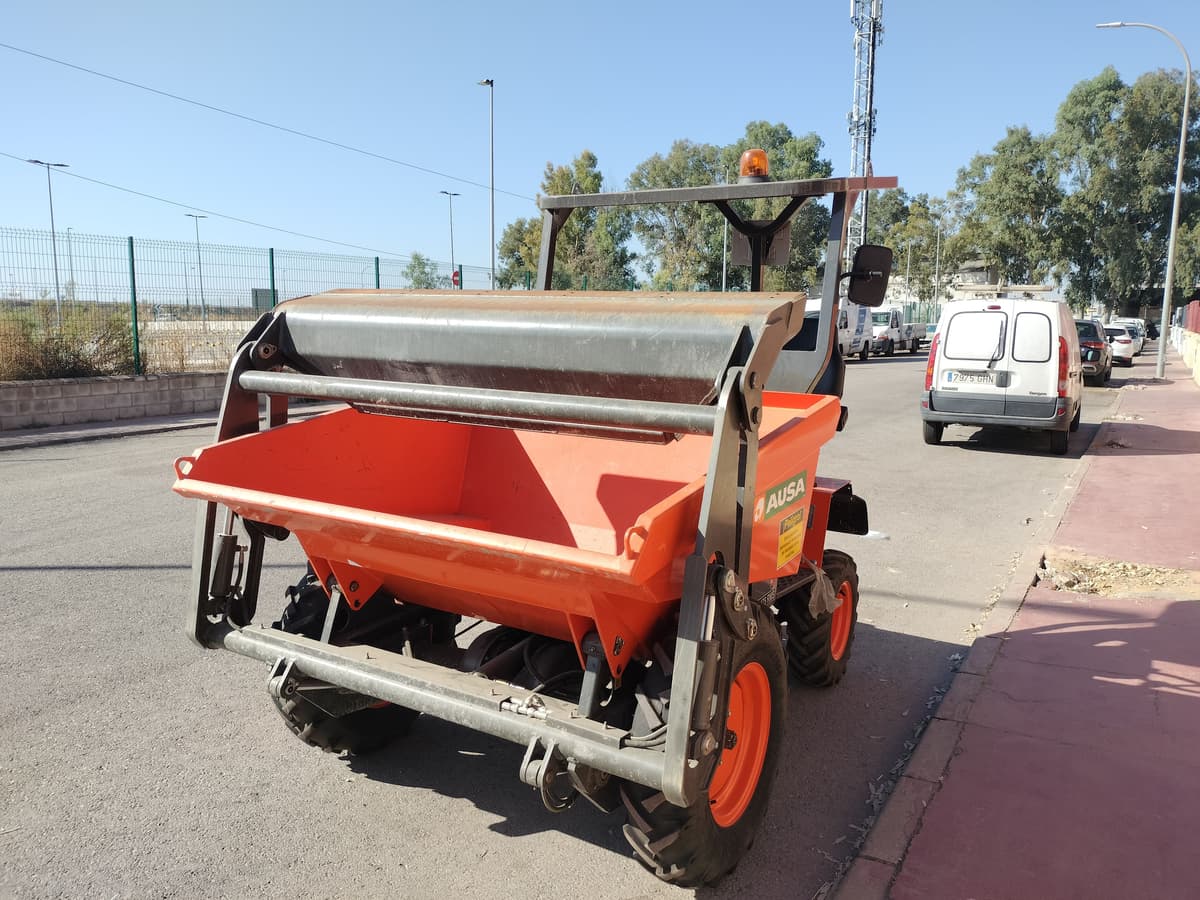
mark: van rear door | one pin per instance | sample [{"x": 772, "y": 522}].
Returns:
[
  {"x": 969, "y": 378},
  {"x": 1032, "y": 364}
]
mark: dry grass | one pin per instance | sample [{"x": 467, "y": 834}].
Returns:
[{"x": 35, "y": 345}]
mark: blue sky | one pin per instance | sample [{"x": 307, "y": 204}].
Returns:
[{"x": 400, "y": 79}]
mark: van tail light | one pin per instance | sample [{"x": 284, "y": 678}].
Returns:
[
  {"x": 932, "y": 361},
  {"x": 1064, "y": 365},
  {"x": 1093, "y": 345}
]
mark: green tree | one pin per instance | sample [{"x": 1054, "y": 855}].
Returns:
[
  {"x": 1009, "y": 198},
  {"x": 517, "y": 252},
  {"x": 593, "y": 243},
  {"x": 421, "y": 273},
  {"x": 791, "y": 157},
  {"x": 1083, "y": 146},
  {"x": 685, "y": 241},
  {"x": 1117, "y": 146},
  {"x": 911, "y": 228}
]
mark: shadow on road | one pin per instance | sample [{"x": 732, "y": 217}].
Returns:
[
  {"x": 1016, "y": 440},
  {"x": 900, "y": 357},
  {"x": 787, "y": 859}
]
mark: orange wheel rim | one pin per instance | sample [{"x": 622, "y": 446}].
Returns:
[
  {"x": 843, "y": 617},
  {"x": 737, "y": 773}
]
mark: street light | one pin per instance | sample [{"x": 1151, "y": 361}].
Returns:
[
  {"x": 937, "y": 268},
  {"x": 1165, "y": 320},
  {"x": 196, "y": 217},
  {"x": 490, "y": 84},
  {"x": 450, "y": 195},
  {"x": 53, "y": 239}
]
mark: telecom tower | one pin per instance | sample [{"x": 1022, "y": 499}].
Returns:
[{"x": 867, "y": 18}]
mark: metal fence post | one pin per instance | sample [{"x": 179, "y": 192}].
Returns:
[
  {"x": 271, "y": 266},
  {"x": 133, "y": 315},
  {"x": 377, "y": 273}
]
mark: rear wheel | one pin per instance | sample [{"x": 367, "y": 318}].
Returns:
[
  {"x": 914, "y": 345},
  {"x": 702, "y": 843},
  {"x": 891, "y": 348},
  {"x": 1078, "y": 414},
  {"x": 340, "y": 721},
  {"x": 865, "y": 351},
  {"x": 358, "y": 733},
  {"x": 932, "y": 432},
  {"x": 1058, "y": 442},
  {"x": 819, "y": 646}
]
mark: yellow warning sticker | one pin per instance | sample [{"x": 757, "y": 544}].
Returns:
[{"x": 791, "y": 536}]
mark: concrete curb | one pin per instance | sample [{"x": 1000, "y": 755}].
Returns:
[
  {"x": 96, "y": 431},
  {"x": 102, "y": 431},
  {"x": 871, "y": 874}
]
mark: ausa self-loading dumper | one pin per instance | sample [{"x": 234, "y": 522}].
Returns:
[{"x": 622, "y": 487}]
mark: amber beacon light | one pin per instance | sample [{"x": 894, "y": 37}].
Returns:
[{"x": 753, "y": 166}]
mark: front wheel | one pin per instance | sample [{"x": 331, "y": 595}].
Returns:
[
  {"x": 819, "y": 645},
  {"x": 704, "y": 842}
]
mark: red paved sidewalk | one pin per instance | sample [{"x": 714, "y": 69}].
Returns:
[{"x": 1065, "y": 760}]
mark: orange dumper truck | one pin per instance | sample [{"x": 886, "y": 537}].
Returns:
[{"x": 617, "y": 491}]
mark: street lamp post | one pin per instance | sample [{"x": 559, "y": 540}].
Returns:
[
  {"x": 490, "y": 84},
  {"x": 450, "y": 195},
  {"x": 937, "y": 268},
  {"x": 196, "y": 217},
  {"x": 1165, "y": 318},
  {"x": 53, "y": 238}
]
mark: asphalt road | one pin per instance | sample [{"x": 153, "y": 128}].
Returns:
[{"x": 133, "y": 764}]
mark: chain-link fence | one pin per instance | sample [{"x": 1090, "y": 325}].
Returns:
[{"x": 68, "y": 300}]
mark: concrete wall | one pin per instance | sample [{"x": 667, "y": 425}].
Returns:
[{"x": 72, "y": 401}]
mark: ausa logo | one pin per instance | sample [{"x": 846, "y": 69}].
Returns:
[{"x": 780, "y": 497}]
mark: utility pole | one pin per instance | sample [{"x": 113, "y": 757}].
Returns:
[
  {"x": 53, "y": 237},
  {"x": 450, "y": 195},
  {"x": 196, "y": 217}
]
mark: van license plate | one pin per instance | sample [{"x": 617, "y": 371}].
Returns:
[{"x": 971, "y": 377}]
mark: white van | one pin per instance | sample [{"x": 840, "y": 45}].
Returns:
[{"x": 1010, "y": 362}]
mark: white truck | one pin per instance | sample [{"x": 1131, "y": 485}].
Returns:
[
  {"x": 889, "y": 332},
  {"x": 854, "y": 330}
]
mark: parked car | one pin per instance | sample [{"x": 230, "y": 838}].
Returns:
[
  {"x": 1137, "y": 331},
  {"x": 1139, "y": 337},
  {"x": 1009, "y": 362},
  {"x": 1121, "y": 342},
  {"x": 1095, "y": 352}
]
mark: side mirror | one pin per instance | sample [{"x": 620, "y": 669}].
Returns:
[{"x": 869, "y": 275}]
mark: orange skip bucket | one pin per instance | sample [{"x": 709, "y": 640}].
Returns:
[{"x": 557, "y": 534}]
